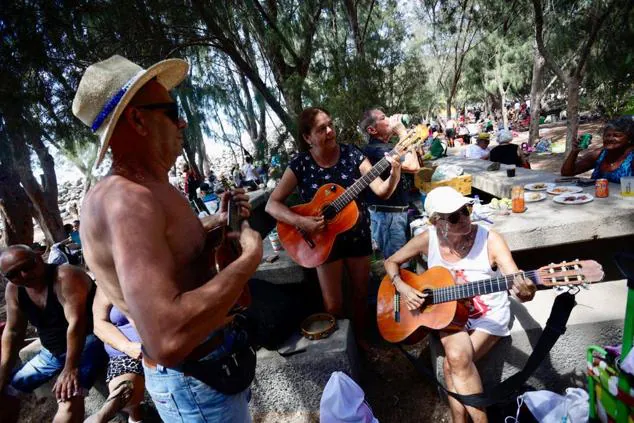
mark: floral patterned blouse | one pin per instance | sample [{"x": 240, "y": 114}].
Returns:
[{"x": 310, "y": 176}]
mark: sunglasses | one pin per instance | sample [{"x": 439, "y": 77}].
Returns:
[
  {"x": 455, "y": 217},
  {"x": 26, "y": 267},
  {"x": 170, "y": 110}
]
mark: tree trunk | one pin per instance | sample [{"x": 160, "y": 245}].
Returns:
[
  {"x": 15, "y": 210},
  {"x": 536, "y": 95},
  {"x": 505, "y": 118},
  {"x": 43, "y": 197},
  {"x": 448, "y": 107},
  {"x": 572, "y": 112}
]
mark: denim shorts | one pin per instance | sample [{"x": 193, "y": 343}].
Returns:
[
  {"x": 182, "y": 398},
  {"x": 389, "y": 231},
  {"x": 44, "y": 366}
]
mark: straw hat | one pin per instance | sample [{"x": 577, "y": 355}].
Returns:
[
  {"x": 107, "y": 87},
  {"x": 483, "y": 136}
]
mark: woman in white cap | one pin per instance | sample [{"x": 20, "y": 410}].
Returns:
[{"x": 471, "y": 252}]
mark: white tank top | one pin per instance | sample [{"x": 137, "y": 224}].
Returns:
[{"x": 474, "y": 267}]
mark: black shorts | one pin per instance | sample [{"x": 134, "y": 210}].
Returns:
[
  {"x": 450, "y": 132},
  {"x": 350, "y": 244}
]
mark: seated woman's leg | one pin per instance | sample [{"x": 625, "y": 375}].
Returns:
[
  {"x": 482, "y": 343},
  {"x": 462, "y": 373},
  {"x": 329, "y": 275}
]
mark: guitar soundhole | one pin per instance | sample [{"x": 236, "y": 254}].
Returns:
[
  {"x": 429, "y": 299},
  {"x": 329, "y": 212}
]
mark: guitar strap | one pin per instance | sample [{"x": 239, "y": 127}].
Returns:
[{"x": 555, "y": 326}]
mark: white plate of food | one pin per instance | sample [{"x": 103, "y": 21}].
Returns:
[
  {"x": 574, "y": 198},
  {"x": 564, "y": 189},
  {"x": 540, "y": 186},
  {"x": 531, "y": 197}
]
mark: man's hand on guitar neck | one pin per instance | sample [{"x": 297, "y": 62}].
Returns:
[
  {"x": 250, "y": 241},
  {"x": 240, "y": 197},
  {"x": 311, "y": 224},
  {"x": 214, "y": 221}
]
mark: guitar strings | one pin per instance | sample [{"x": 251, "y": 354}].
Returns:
[{"x": 485, "y": 286}]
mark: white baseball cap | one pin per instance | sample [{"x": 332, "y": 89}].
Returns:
[{"x": 444, "y": 200}]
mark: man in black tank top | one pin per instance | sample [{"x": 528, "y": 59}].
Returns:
[{"x": 57, "y": 300}]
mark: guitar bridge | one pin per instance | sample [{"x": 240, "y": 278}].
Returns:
[{"x": 306, "y": 237}]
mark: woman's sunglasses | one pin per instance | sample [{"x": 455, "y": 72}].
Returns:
[
  {"x": 26, "y": 267},
  {"x": 170, "y": 110},
  {"x": 455, "y": 217}
]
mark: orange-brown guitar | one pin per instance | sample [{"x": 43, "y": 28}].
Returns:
[
  {"x": 336, "y": 204},
  {"x": 445, "y": 307}
]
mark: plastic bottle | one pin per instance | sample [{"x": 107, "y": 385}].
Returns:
[{"x": 477, "y": 205}]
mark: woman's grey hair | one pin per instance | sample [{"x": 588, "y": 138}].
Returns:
[{"x": 623, "y": 124}]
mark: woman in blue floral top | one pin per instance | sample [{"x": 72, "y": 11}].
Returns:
[
  {"x": 323, "y": 161},
  {"x": 613, "y": 161}
]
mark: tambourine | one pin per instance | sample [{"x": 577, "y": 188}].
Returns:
[{"x": 318, "y": 326}]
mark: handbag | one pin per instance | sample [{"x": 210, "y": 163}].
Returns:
[{"x": 229, "y": 374}]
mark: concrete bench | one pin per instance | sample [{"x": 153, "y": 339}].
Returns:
[
  {"x": 596, "y": 319},
  {"x": 288, "y": 388}
]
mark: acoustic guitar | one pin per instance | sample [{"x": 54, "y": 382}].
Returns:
[
  {"x": 336, "y": 204},
  {"x": 446, "y": 306},
  {"x": 226, "y": 250}
]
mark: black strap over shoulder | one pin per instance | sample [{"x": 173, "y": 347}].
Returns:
[{"x": 555, "y": 326}]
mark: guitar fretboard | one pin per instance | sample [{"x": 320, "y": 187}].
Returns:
[
  {"x": 362, "y": 183},
  {"x": 485, "y": 286}
]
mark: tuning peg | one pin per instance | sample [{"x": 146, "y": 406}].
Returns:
[
  {"x": 585, "y": 286},
  {"x": 559, "y": 288}
]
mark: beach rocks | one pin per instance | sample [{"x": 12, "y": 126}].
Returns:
[{"x": 69, "y": 198}]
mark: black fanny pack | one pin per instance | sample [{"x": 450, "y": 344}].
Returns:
[{"x": 231, "y": 373}]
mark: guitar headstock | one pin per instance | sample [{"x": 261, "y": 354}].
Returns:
[
  {"x": 414, "y": 136},
  {"x": 576, "y": 272}
]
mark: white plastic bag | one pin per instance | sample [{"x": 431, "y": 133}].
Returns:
[
  {"x": 444, "y": 172},
  {"x": 344, "y": 401},
  {"x": 549, "y": 407}
]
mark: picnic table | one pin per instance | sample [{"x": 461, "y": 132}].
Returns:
[{"x": 546, "y": 223}]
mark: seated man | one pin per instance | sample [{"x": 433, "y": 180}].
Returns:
[
  {"x": 57, "y": 300},
  {"x": 471, "y": 252},
  {"x": 66, "y": 250},
  {"x": 506, "y": 152},
  {"x": 479, "y": 150},
  {"x": 211, "y": 200}
]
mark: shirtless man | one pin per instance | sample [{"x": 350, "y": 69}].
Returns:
[{"x": 146, "y": 247}]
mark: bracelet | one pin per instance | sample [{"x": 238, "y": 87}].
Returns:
[{"x": 393, "y": 278}]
